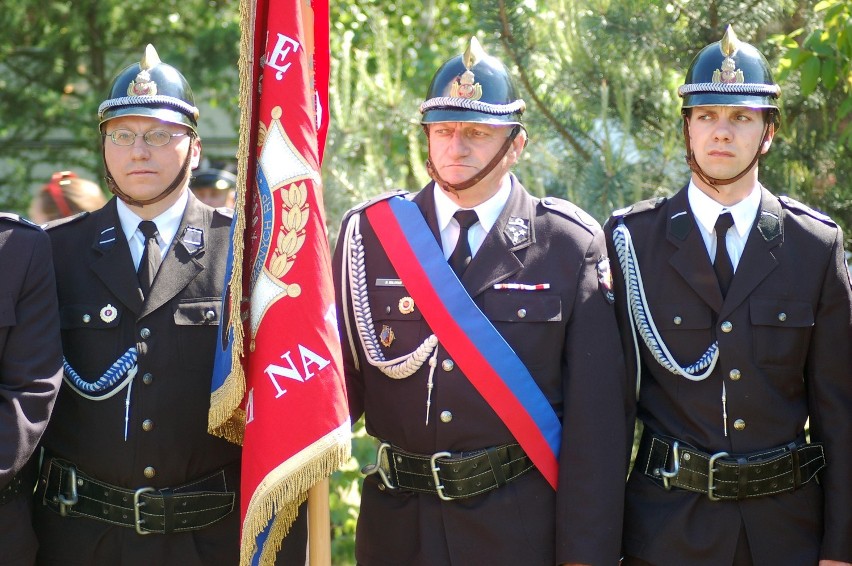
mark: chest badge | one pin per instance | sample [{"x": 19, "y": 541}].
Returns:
[
  {"x": 108, "y": 313},
  {"x": 406, "y": 305},
  {"x": 386, "y": 336},
  {"x": 518, "y": 230}
]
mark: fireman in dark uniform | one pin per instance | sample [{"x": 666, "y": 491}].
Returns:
[
  {"x": 30, "y": 375},
  {"x": 738, "y": 305},
  {"x": 453, "y": 483},
  {"x": 130, "y": 474}
]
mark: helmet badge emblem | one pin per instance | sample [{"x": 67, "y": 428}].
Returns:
[
  {"x": 465, "y": 87},
  {"x": 729, "y": 74},
  {"x": 143, "y": 85}
]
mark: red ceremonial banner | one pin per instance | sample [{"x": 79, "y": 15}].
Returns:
[{"x": 279, "y": 384}]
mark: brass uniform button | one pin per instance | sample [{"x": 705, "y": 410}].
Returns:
[
  {"x": 147, "y": 379},
  {"x": 149, "y": 472},
  {"x": 210, "y": 316},
  {"x": 86, "y": 318},
  {"x": 782, "y": 316},
  {"x": 735, "y": 375},
  {"x": 727, "y": 326},
  {"x": 145, "y": 333},
  {"x": 147, "y": 425},
  {"x": 677, "y": 320},
  {"x": 522, "y": 313},
  {"x": 448, "y": 365},
  {"x": 446, "y": 416},
  {"x": 739, "y": 424}
]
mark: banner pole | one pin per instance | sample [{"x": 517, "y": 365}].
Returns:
[{"x": 319, "y": 525}]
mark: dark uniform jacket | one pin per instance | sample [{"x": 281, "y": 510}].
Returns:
[
  {"x": 174, "y": 330},
  {"x": 785, "y": 355},
  {"x": 568, "y": 341},
  {"x": 30, "y": 371}
]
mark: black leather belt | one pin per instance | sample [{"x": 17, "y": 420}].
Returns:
[
  {"x": 449, "y": 475},
  {"x": 13, "y": 488},
  {"x": 192, "y": 506},
  {"x": 724, "y": 476}
]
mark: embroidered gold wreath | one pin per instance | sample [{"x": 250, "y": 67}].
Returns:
[{"x": 291, "y": 235}]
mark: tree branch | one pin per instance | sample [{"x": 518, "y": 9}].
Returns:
[{"x": 506, "y": 39}]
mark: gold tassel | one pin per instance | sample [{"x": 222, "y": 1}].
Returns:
[
  {"x": 278, "y": 496},
  {"x": 224, "y": 418}
]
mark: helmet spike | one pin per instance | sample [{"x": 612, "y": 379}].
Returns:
[
  {"x": 150, "y": 59},
  {"x": 474, "y": 53},
  {"x": 730, "y": 43}
]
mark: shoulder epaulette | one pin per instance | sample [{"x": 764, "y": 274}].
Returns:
[
  {"x": 641, "y": 206},
  {"x": 572, "y": 212},
  {"x": 375, "y": 199},
  {"x": 18, "y": 219},
  {"x": 63, "y": 221},
  {"x": 801, "y": 207}
]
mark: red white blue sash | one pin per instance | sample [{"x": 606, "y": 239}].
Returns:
[{"x": 486, "y": 359}]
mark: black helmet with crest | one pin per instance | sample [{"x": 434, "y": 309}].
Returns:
[
  {"x": 151, "y": 88},
  {"x": 729, "y": 72},
  {"x": 473, "y": 87}
]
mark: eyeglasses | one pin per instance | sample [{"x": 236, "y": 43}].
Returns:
[{"x": 155, "y": 138}]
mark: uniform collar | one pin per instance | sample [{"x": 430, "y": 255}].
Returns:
[
  {"x": 707, "y": 210},
  {"x": 167, "y": 222},
  {"x": 488, "y": 211}
]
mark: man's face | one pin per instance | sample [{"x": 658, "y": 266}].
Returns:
[
  {"x": 141, "y": 170},
  {"x": 460, "y": 150},
  {"x": 726, "y": 138}
]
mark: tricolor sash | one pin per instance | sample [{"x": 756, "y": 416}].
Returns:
[{"x": 487, "y": 361}]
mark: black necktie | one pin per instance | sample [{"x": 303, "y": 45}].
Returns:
[
  {"x": 461, "y": 255},
  {"x": 151, "y": 257},
  {"x": 722, "y": 265}
]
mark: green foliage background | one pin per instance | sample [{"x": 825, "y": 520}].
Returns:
[{"x": 599, "y": 78}]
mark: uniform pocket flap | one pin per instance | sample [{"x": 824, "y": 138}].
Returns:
[
  {"x": 196, "y": 312},
  {"x": 523, "y": 307},
  {"x": 681, "y": 316},
  {"x": 781, "y": 312},
  {"x": 88, "y": 316}
]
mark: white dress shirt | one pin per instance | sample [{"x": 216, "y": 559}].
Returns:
[
  {"x": 488, "y": 212},
  {"x": 707, "y": 211},
  {"x": 167, "y": 223}
]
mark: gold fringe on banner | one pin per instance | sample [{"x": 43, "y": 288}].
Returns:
[
  {"x": 226, "y": 419},
  {"x": 278, "y": 496}
]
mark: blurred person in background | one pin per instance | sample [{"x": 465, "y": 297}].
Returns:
[
  {"x": 214, "y": 187},
  {"x": 64, "y": 195}
]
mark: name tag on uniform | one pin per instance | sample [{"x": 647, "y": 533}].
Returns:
[{"x": 384, "y": 282}]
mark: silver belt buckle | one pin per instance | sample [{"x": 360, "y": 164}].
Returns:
[
  {"x": 667, "y": 475},
  {"x": 711, "y": 470},
  {"x": 137, "y": 505},
  {"x": 433, "y": 461},
  {"x": 376, "y": 467}
]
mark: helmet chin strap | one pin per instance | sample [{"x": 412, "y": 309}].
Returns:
[
  {"x": 713, "y": 181},
  {"x": 482, "y": 173},
  {"x": 180, "y": 179}
]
